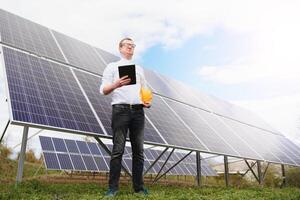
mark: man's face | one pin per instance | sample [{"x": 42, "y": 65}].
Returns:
[{"x": 127, "y": 48}]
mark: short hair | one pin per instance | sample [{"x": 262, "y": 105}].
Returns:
[{"x": 121, "y": 42}]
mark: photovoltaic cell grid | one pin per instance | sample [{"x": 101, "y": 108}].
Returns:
[
  {"x": 80, "y": 54},
  {"x": 45, "y": 93},
  {"x": 102, "y": 106},
  {"x": 33, "y": 37},
  {"x": 24, "y": 34},
  {"x": 66, "y": 154},
  {"x": 170, "y": 127}
]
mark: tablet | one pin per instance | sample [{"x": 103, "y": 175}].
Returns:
[{"x": 128, "y": 70}]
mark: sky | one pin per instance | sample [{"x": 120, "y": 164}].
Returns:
[{"x": 245, "y": 52}]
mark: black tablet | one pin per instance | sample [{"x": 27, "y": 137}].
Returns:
[{"x": 128, "y": 70}]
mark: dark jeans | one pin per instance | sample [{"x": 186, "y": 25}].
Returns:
[{"x": 124, "y": 119}]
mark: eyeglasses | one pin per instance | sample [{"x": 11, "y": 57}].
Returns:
[{"x": 129, "y": 45}]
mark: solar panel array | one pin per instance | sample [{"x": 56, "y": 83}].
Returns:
[
  {"x": 74, "y": 155},
  {"x": 53, "y": 82}
]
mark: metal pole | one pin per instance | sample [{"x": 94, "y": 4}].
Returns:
[
  {"x": 252, "y": 170},
  {"x": 22, "y": 155},
  {"x": 283, "y": 176},
  {"x": 198, "y": 163},
  {"x": 8, "y": 122},
  {"x": 226, "y": 171},
  {"x": 164, "y": 163},
  {"x": 109, "y": 152},
  {"x": 155, "y": 161},
  {"x": 259, "y": 174}
]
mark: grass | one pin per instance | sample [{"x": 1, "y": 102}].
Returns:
[
  {"x": 55, "y": 186},
  {"x": 35, "y": 189}
]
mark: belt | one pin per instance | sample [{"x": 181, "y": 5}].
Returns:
[{"x": 129, "y": 106}]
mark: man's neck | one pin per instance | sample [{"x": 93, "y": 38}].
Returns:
[{"x": 129, "y": 58}]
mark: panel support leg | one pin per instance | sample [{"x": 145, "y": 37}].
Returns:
[
  {"x": 6, "y": 126},
  {"x": 226, "y": 171},
  {"x": 259, "y": 174},
  {"x": 22, "y": 155},
  {"x": 109, "y": 152},
  {"x": 198, "y": 163},
  {"x": 283, "y": 184}
]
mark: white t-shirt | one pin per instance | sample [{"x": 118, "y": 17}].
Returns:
[{"x": 128, "y": 94}]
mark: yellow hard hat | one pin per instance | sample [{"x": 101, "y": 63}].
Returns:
[{"x": 146, "y": 95}]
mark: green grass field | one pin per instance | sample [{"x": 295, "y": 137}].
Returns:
[
  {"x": 54, "y": 185},
  {"x": 41, "y": 190}
]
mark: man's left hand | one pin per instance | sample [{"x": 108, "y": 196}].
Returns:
[{"x": 147, "y": 105}]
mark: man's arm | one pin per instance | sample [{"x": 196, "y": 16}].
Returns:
[{"x": 107, "y": 89}]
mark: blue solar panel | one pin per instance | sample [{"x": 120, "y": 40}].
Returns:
[
  {"x": 72, "y": 146},
  {"x": 51, "y": 160},
  {"x": 59, "y": 145},
  {"x": 101, "y": 164},
  {"x": 77, "y": 162},
  {"x": 24, "y": 34},
  {"x": 46, "y": 143},
  {"x": 94, "y": 148},
  {"x": 90, "y": 163},
  {"x": 83, "y": 148},
  {"x": 46, "y": 93},
  {"x": 65, "y": 161}
]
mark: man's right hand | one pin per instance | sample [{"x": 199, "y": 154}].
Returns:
[
  {"x": 121, "y": 82},
  {"x": 118, "y": 83}
]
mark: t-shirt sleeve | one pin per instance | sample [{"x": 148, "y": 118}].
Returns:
[{"x": 107, "y": 77}]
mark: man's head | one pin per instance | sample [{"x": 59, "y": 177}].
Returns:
[{"x": 126, "y": 48}]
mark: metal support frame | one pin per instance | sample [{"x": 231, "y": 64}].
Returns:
[
  {"x": 164, "y": 164},
  {"x": 172, "y": 167},
  {"x": 265, "y": 172},
  {"x": 4, "y": 131},
  {"x": 252, "y": 170},
  {"x": 226, "y": 171},
  {"x": 155, "y": 161},
  {"x": 283, "y": 184},
  {"x": 198, "y": 164},
  {"x": 251, "y": 167},
  {"x": 109, "y": 152},
  {"x": 22, "y": 155},
  {"x": 259, "y": 174}
]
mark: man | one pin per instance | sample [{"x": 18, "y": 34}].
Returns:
[{"x": 127, "y": 114}]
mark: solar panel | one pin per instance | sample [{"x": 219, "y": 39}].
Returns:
[
  {"x": 89, "y": 163},
  {"x": 45, "y": 93},
  {"x": 46, "y": 143},
  {"x": 51, "y": 160},
  {"x": 59, "y": 145},
  {"x": 83, "y": 147},
  {"x": 24, "y": 34},
  {"x": 102, "y": 106},
  {"x": 65, "y": 161},
  {"x": 172, "y": 129},
  {"x": 80, "y": 54},
  {"x": 78, "y": 162},
  {"x": 84, "y": 161},
  {"x": 72, "y": 146},
  {"x": 108, "y": 57},
  {"x": 208, "y": 135}
]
